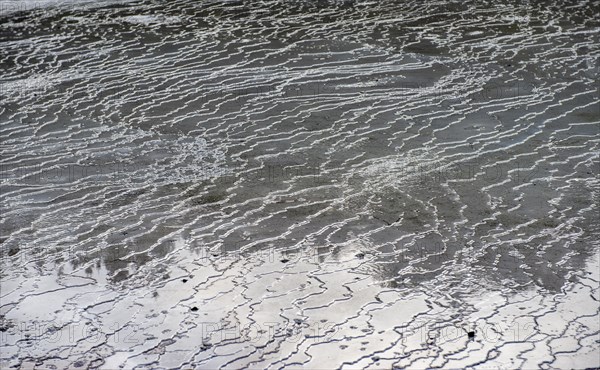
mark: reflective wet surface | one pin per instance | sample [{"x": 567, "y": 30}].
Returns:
[{"x": 317, "y": 184}]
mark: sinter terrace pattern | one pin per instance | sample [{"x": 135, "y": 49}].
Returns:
[{"x": 277, "y": 184}]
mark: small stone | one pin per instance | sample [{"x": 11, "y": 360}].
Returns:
[
  {"x": 471, "y": 334},
  {"x": 194, "y": 309},
  {"x": 360, "y": 255},
  {"x": 285, "y": 260},
  {"x": 205, "y": 346},
  {"x": 184, "y": 280}
]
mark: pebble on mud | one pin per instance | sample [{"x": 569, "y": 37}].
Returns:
[
  {"x": 194, "y": 309},
  {"x": 471, "y": 334}
]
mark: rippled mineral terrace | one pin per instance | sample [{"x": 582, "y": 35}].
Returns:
[{"x": 299, "y": 184}]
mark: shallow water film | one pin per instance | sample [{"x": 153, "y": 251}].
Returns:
[{"x": 316, "y": 184}]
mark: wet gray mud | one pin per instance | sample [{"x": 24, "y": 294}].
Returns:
[{"x": 287, "y": 184}]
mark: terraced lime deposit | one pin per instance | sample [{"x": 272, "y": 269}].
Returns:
[{"x": 287, "y": 184}]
